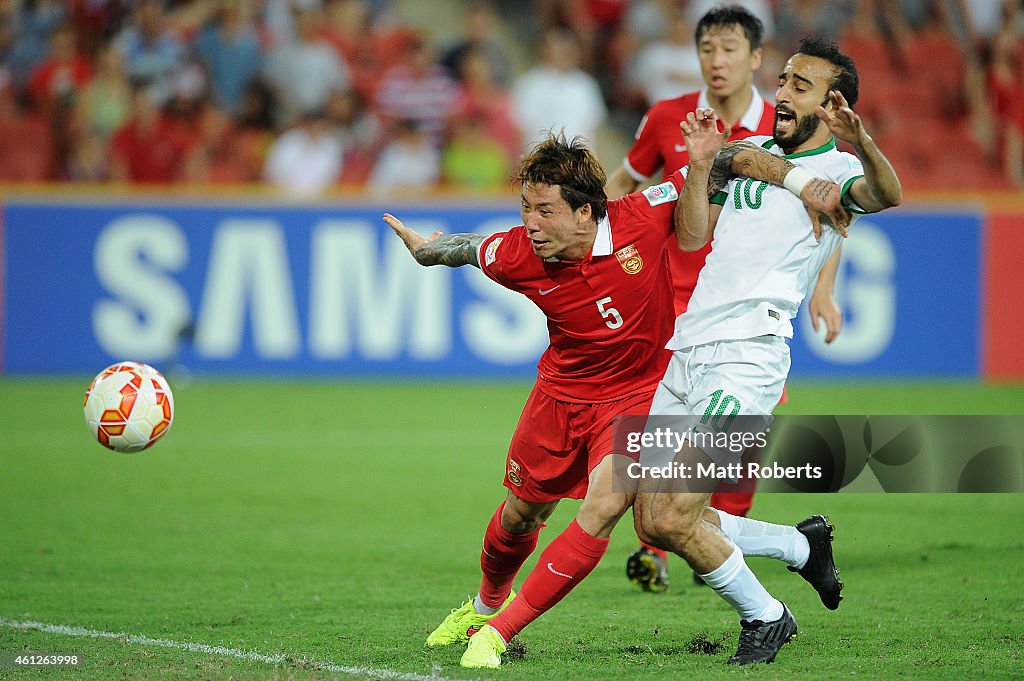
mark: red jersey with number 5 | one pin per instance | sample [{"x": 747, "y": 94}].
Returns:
[{"x": 609, "y": 315}]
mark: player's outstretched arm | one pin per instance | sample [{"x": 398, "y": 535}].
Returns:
[
  {"x": 713, "y": 162},
  {"x": 822, "y": 198},
  {"x": 453, "y": 250},
  {"x": 694, "y": 217},
  {"x": 880, "y": 188}
]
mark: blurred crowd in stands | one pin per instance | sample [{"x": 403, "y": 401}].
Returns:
[{"x": 312, "y": 95}]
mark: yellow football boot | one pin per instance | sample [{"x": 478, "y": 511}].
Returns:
[
  {"x": 462, "y": 623},
  {"x": 484, "y": 650}
]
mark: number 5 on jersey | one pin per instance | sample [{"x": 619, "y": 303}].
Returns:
[{"x": 613, "y": 319}]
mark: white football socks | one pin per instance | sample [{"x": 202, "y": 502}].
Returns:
[
  {"x": 734, "y": 582},
  {"x": 482, "y": 609},
  {"x": 758, "y": 538}
]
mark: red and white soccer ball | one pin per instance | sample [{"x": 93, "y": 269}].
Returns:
[{"x": 129, "y": 407}]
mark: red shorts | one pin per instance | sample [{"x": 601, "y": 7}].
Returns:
[{"x": 557, "y": 444}]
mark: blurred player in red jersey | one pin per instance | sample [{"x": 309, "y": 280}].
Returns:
[
  {"x": 598, "y": 269},
  {"x": 729, "y": 47}
]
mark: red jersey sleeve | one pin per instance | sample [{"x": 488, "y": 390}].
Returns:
[
  {"x": 644, "y": 156},
  {"x": 652, "y": 210},
  {"x": 506, "y": 258},
  {"x": 487, "y": 256}
]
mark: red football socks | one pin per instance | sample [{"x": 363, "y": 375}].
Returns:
[
  {"x": 502, "y": 556},
  {"x": 563, "y": 564},
  {"x": 734, "y": 499},
  {"x": 655, "y": 550}
]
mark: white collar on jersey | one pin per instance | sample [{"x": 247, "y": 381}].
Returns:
[
  {"x": 751, "y": 119},
  {"x": 602, "y": 240}
]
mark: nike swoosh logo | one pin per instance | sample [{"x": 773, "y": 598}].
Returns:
[
  {"x": 544, "y": 293},
  {"x": 551, "y": 567},
  {"x": 680, "y": 148}
]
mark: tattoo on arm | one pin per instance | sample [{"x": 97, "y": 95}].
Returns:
[
  {"x": 714, "y": 186},
  {"x": 821, "y": 189},
  {"x": 721, "y": 169},
  {"x": 749, "y": 160},
  {"x": 453, "y": 250},
  {"x": 740, "y": 157}
]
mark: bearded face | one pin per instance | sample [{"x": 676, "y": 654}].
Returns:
[
  {"x": 803, "y": 88},
  {"x": 791, "y": 129}
]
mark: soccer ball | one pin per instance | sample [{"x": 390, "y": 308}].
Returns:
[{"x": 129, "y": 406}]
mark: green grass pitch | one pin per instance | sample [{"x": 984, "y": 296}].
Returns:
[{"x": 339, "y": 522}]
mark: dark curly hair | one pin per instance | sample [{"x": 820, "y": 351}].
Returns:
[
  {"x": 845, "y": 78},
  {"x": 571, "y": 165}
]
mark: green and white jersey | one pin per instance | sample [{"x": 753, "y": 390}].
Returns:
[{"x": 764, "y": 257}]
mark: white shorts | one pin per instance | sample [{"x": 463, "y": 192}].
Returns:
[{"x": 717, "y": 382}]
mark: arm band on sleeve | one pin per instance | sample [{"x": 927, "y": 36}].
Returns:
[{"x": 796, "y": 179}]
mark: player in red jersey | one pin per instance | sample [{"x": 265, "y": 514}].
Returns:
[
  {"x": 598, "y": 270},
  {"x": 729, "y": 47}
]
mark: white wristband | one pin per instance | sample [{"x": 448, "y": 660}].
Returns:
[{"x": 796, "y": 179}]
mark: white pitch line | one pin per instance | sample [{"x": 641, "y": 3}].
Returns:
[{"x": 300, "y": 662}]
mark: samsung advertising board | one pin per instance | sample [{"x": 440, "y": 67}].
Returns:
[
  {"x": 330, "y": 291},
  {"x": 909, "y": 285}
]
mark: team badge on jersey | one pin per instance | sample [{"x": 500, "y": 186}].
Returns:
[
  {"x": 492, "y": 248},
  {"x": 661, "y": 193},
  {"x": 630, "y": 259},
  {"x": 515, "y": 473}
]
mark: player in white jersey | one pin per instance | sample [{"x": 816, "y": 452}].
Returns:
[
  {"x": 730, "y": 356},
  {"x": 767, "y": 256}
]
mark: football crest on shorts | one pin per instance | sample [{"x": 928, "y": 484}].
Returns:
[
  {"x": 630, "y": 259},
  {"x": 515, "y": 473}
]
